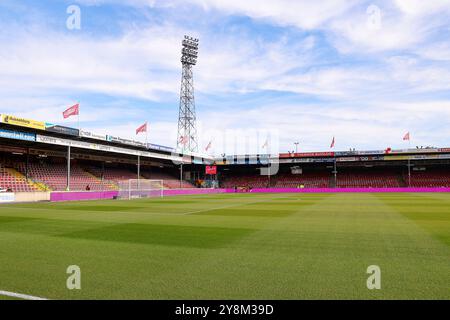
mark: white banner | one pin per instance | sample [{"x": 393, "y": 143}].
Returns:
[
  {"x": 88, "y": 134},
  {"x": 7, "y": 197},
  {"x": 102, "y": 147}
]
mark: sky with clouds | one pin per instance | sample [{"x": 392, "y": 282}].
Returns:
[{"x": 366, "y": 72}]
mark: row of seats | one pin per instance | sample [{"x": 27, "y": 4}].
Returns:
[
  {"x": 54, "y": 176},
  {"x": 169, "y": 181},
  {"x": 15, "y": 183},
  {"x": 345, "y": 179},
  {"x": 121, "y": 174},
  {"x": 428, "y": 179},
  {"x": 368, "y": 180},
  {"x": 254, "y": 181},
  {"x": 307, "y": 179}
]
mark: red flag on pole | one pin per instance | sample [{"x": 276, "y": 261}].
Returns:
[
  {"x": 72, "y": 111},
  {"x": 332, "y": 143},
  {"x": 142, "y": 129},
  {"x": 407, "y": 137}
]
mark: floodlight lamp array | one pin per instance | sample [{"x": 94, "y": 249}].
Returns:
[{"x": 189, "y": 51}]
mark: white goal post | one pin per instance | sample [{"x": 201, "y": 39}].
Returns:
[{"x": 140, "y": 188}]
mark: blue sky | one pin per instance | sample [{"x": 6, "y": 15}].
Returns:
[{"x": 366, "y": 72}]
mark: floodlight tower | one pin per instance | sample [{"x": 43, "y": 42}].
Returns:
[{"x": 187, "y": 130}]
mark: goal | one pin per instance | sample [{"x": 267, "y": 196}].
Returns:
[{"x": 140, "y": 188}]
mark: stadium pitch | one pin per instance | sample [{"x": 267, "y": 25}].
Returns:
[{"x": 230, "y": 246}]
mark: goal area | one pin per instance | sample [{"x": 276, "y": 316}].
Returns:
[{"x": 140, "y": 188}]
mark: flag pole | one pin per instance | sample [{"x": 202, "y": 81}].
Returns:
[
  {"x": 409, "y": 161},
  {"x": 78, "y": 116},
  {"x": 335, "y": 163},
  {"x": 146, "y": 134}
]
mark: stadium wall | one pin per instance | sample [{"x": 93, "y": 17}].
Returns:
[
  {"x": 82, "y": 195},
  {"x": 344, "y": 190},
  {"x": 31, "y": 196},
  {"x": 93, "y": 195},
  {"x": 77, "y": 196},
  {"x": 24, "y": 196},
  {"x": 178, "y": 192}
]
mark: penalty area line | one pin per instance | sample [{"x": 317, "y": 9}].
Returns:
[{"x": 20, "y": 295}]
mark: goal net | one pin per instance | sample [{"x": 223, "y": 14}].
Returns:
[{"x": 140, "y": 188}]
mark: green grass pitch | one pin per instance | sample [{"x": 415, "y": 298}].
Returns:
[{"x": 230, "y": 246}]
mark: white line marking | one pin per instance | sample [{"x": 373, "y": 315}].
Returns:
[
  {"x": 20, "y": 296},
  {"x": 229, "y": 206}
]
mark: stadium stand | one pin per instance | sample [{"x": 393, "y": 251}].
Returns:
[
  {"x": 251, "y": 180},
  {"x": 429, "y": 178},
  {"x": 368, "y": 179},
  {"x": 112, "y": 174},
  {"x": 54, "y": 176},
  {"x": 14, "y": 181},
  {"x": 169, "y": 181},
  {"x": 116, "y": 174},
  {"x": 317, "y": 179},
  {"x": 346, "y": 178},
  {"x": 50, "y": 173}
]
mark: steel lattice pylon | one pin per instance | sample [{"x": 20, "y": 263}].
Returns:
[{"x": 187, "y": 130}]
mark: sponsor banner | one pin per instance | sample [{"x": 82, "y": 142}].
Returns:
[
  {"x": 306, "y": 155},
  {"x": 160, "y": 148},
  {"x": 347, "y": 159},
  {"x": 424, "y": 157},
  {"x": 371, "y": 158},
  {"x": 9, "y": 134},
  {"x": 307, "y": 160},
  {"x": 7, "y": 197},
  {"x": 16, "y": 121},
  {"x": 355, "y": 159},
  {"x": 61, "y": 129},
  {"x": 328, "y": 160},
  {"x": 125, "y": 141},
  {"x": 418, "y": 157},
  {"x": 424, "y": 150},
  {"x": 316, "y": 154},
  {"x": 88, "y": 134},
  {"x": 390, "y": 158},
  {"x": 444, "y": 150},
  {"x": 358, "y": 153},
  {"x": 106, "y": 148},
  {"x": 211, "y": 170},
  {"x": 345, "y": 153},
  {"x": 52, "y": 140}
]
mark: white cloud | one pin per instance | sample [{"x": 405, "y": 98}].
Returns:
[
  {"x": 301, "y": 13},
  {"x": 420, "y": 7},
  {"x": 126, "y": 66}
]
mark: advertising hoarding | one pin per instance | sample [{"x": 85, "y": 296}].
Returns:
[
  {"x": 61, "y": 129},
  {"x": 91, "y": 135},
  {"x": 22, "y": 122},
  {"x": 211, "y": 170},
  {"x": 17, "y": 135},
  {"x": 7, "y": 197},
  {"x": 160, "y": 148}
]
